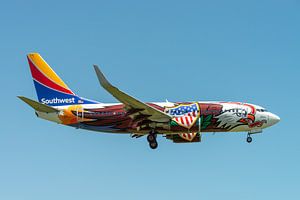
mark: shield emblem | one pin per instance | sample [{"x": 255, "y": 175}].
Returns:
[{"x": 185, "y": 115}]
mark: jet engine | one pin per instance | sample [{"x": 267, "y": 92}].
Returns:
[{"x": 184, "y": 137}]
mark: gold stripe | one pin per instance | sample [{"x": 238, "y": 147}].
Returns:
[{"x": 41, "y": 64}]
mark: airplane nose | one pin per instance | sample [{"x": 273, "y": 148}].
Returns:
[{"x": 274, "y": 119}]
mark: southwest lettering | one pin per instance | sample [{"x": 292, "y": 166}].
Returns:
[{"x": 57, "y": 100}]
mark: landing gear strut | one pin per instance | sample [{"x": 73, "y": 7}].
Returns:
[
  {"x": 151, "y": 138},
  {"x": 249, "y": 138}
]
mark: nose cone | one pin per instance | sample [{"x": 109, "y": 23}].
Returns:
[{"x": 273, "y": 119}]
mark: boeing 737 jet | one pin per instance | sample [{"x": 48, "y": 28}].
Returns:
[{"x": 181, "y": 122}]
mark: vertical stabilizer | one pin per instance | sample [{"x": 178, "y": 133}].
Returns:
[{"x": 50, "y": 88}]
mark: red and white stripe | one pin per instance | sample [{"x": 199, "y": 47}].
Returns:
[
  {"x": 188, "y": 136},
  {"x": 187, "y": 120}
]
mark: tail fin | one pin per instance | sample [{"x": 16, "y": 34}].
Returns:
[{"x": 49, "y": 86}]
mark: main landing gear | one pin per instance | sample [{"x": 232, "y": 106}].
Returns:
[{"x": 151, "y": 138}]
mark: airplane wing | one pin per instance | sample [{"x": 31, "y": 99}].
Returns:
[{"x": 132, "y": 104}]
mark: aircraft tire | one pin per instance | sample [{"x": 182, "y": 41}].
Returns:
[
  {"x": 153, "y": 145},
  {"x": 151, "y": 138},
  {"x": 249, "y": 139}
]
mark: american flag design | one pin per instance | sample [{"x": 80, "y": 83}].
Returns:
[
  {"x": 185, "y": 114},
  {"x": 188, "y": 136}
]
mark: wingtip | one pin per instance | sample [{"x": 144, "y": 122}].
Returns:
[
  {"x": 95, "y": 66},
  {"x": 21, "y": 97},
  {"x": 102, "y": 79},
  {"x": 25, "y": 99},
  {"x": 97, "y": 69}
]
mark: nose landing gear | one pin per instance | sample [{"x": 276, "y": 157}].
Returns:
[
  {"x": 151, "y": 138},
  {"x": 249, "y": 138}
]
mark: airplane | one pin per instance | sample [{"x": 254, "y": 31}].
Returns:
[{"x": 181, "y": 122}]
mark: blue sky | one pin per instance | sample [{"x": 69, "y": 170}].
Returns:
[{"x": 156, "y": 50}]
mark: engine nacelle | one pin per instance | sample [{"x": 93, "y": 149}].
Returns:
[{"x": 185, "y": 137}]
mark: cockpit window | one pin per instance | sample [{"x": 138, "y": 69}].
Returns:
[{"x": 261, "y": 110}]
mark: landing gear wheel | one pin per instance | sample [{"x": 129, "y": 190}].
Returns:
[
  {"x": 151, "y": 138},
  {"x": 153, "y": 145},
  {"x": 249, "y": 139}
]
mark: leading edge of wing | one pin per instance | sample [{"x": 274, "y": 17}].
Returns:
[{"x": 129, "y": 101}]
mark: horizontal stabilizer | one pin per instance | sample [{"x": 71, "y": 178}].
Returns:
[{"x": 38, "y": 106}]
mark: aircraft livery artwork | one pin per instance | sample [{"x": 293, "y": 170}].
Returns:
[
  {"x": 181, "y": 122},
  {"x": 213, "y": 117}
]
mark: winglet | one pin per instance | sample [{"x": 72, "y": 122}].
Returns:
[
  {"x": 38, "y": 106},
  {"x": 102, "y": 80}
]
